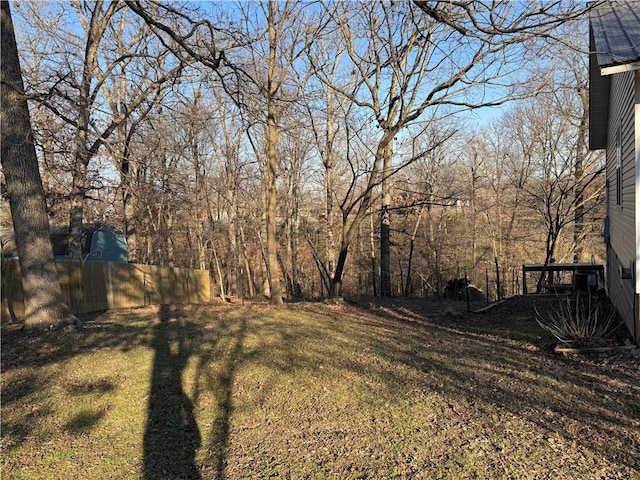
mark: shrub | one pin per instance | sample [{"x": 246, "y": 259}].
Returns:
[{"x": 581, "y": 320}]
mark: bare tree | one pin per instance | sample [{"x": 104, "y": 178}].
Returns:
[
  {"x": 277, "y": 22},
  {"x": 376, "y": 83},
  {"x": 570, "y": 86},
  {"x": 265, "y": 69},
  {"x": 554, "y": 192},
  {"x": 234, "y": 188},
  {"x": 324, "y": 111},
  {"x": 100, "y": 82},
  {"x": 406, "y": 63},
  {"x": 294, "y": 154},
  {"x": 357, "y": 192},
  {"x": 260, "y": 61},
  {"x": 44, "y": 305},
  {"x": 501, "y": 229}
]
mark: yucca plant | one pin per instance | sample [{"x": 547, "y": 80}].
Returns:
[{"x": 580, "y": 321}]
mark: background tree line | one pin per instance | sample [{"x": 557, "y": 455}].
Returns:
[{"x": 311, "y": 149}]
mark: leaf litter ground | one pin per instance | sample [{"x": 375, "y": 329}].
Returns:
[{"x": 402, "y": 389}]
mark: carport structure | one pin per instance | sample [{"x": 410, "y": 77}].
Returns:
[{"x": 584, "y": 276}]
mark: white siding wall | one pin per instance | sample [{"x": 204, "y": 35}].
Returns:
[{"x": 622, "y": 225}]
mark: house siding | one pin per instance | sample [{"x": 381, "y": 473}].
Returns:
[
  {"x": 636, "y": 303},
  {"x": 621, "y": 248}
]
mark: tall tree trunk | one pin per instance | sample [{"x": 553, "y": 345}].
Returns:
[
  {"x": 128, "y": 210},
  {"x": 330, "y": 253},
  {"x": 385, "y": 150},
  {"x": 235, "y": 285},
  {"x": 82, "y": 154},
  {"x": 44, "y": 305},
  {"x": 385, "y": 251},
  {"x": 247, "y": 264},
  {"x": 578, "y": 213},
  {"x": 76, "y": 213},
  {"x": 372, "y": 244},
  {"x": 474, "y": 215},
  {"x": 336, "y": 281},
  {"x": 219, "y": 270},
  {"x": 293, "y": 239},
  {"x": 275, "y": 289},
  {"x": 579, "y": 180},
  {"x": 552, "y": 238}
]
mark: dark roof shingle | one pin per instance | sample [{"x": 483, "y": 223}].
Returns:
[{"x": 616, "y": 32}]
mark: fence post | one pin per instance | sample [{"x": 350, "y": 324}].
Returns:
[
  {"x": 486, "y": 280},
  {"x": 498, "y": 294}
]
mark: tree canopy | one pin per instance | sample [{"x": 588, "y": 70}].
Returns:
[{"x": 305, "y": 149}]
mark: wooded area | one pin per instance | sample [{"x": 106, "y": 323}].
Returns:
[{"x": 307, "y": 149}]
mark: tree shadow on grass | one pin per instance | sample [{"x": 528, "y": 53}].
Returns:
[
  {"x": 85, "y": 421},
  {"x": 172, "y": 437},
  {"x": 220, "y": 356},
  {"x": 484, "y": 372},
  {"x": 21, "y": 348},
  {"x": 26, "y": 357}
]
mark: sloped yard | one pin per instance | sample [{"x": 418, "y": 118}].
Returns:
[{"x": 406, "y": 390}]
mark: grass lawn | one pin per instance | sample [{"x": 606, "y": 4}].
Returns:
[{"x": 406, "y": 390}]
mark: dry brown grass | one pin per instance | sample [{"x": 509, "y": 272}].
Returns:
[{"x": 403, "y": 390}]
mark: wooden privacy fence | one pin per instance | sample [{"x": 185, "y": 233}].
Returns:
[{"x": 92, "y": 286}]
